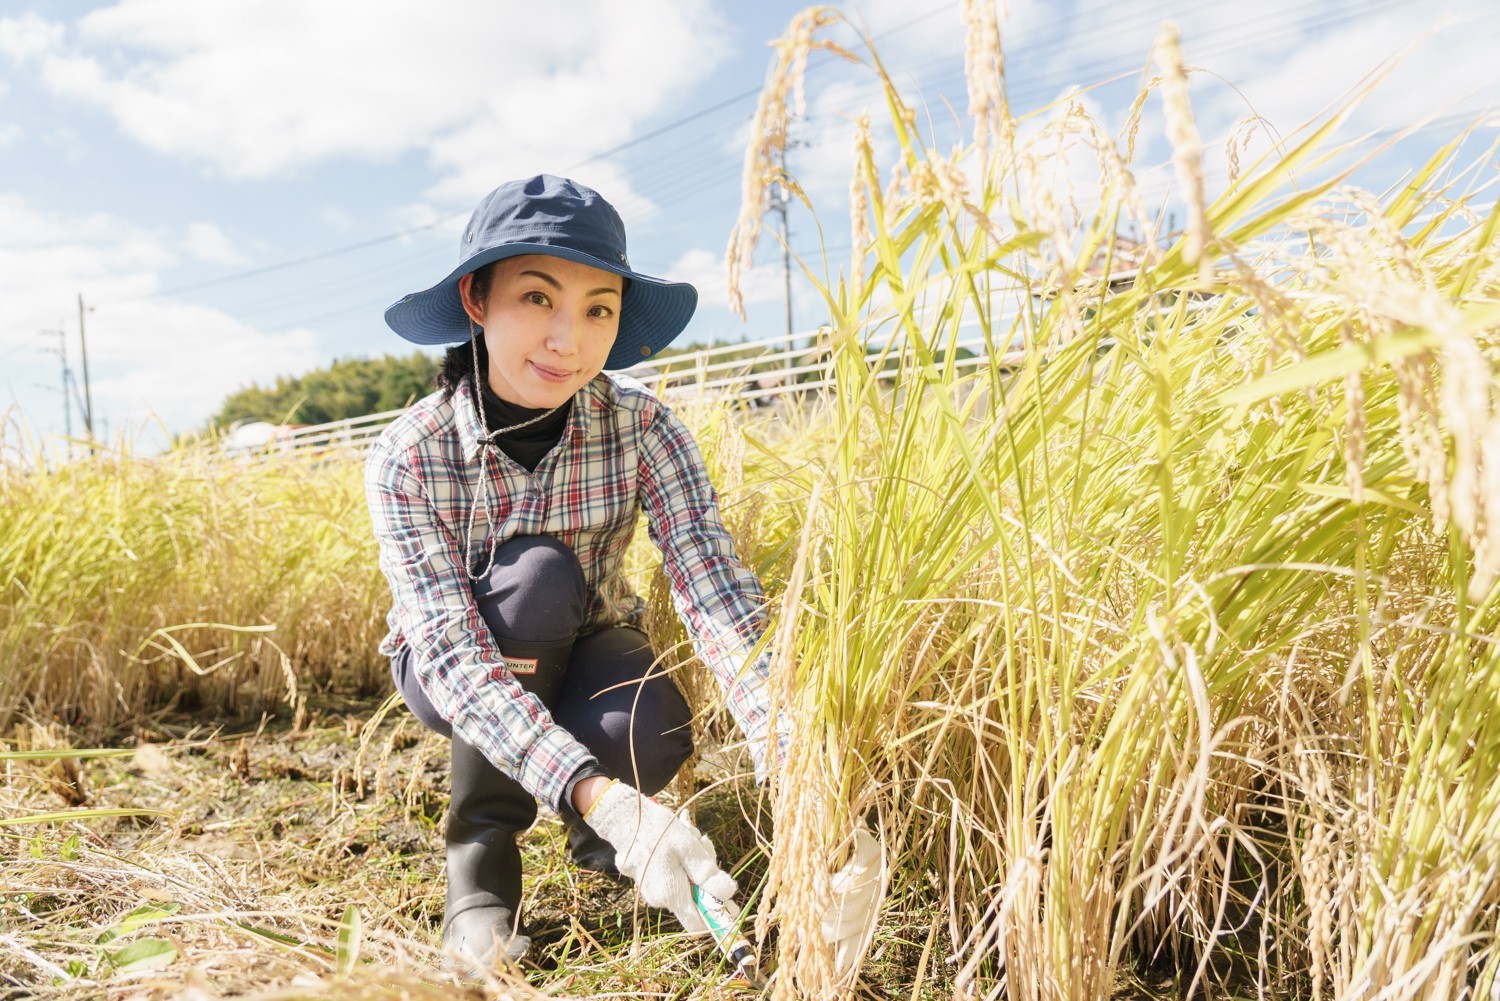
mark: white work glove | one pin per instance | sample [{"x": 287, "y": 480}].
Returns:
[
  {"x": 855, "y": 901},
  {"x": 661, "y": 851}
]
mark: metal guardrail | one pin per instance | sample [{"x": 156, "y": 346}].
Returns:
[
  {"x": 756, "y": 372},
  {"x": 354, "y": 432}
]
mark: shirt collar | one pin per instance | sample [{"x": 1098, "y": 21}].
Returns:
[{"x": 471, "y": 430}]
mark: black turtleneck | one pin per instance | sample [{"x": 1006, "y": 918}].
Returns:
[{"x": 527, "y": 446}]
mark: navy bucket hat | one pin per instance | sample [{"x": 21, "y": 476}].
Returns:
[{"x": 560, "y": 218}]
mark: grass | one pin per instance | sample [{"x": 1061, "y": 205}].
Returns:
[{"x": 260, "y": 842}]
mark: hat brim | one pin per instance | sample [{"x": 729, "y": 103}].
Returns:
[{"x": 652, "y": 311}]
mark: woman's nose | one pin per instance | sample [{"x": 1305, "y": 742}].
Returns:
[{"x": 563, "y": 336}]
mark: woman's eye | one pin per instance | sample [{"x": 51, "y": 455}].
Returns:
[
  {"x": 600, "y": 311},
  {"x": 536, "y": 298}
]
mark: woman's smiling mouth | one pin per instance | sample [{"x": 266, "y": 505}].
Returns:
[{"x": 551, "y": 374}]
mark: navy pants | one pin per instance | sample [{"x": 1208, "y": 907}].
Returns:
[{"x": 598, "y": 686}]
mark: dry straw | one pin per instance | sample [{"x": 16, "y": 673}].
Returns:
[{"x": 190, "y": 580}]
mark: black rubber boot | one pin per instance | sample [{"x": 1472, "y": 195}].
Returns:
[
  {"x": 481, "y": 919},
  {"x": 489, "y": 810}
]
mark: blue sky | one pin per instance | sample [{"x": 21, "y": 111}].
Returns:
[{"x": 156, "y": 155}]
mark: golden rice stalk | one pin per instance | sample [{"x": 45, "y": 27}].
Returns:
[
  {"x": 1187, "y": 150},
  {"x": 1420, "y": 436},
  {"x": 984, "y": 68},
  {"x": 1373, "y": 265},
  {"x": 1117, "y": 181},
  {"x": 802, "y": 810},
  {"x": 768, "y": 137},
  {"x": 859, "y": 196},
  {"x": 1239, "y": 141},
  {"x": 1133, "y": 116},
  {"x": 1354, "y": 423}
]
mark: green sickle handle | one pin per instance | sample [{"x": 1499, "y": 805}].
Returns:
[{"x": 723, "y": 921}]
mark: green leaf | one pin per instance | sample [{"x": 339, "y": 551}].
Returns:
[
  {"x": 76, "y": 968},
  {"x": 69, "y": 850},
  {"x": 350, "y": 929},
  {"x": 61, "y": 815},
  {"x": 56, "y": 753},
  {"x": 142, "y": 915},
  {"x": 145, "y": 954},
  {"x": 1330, "y": 365},
  {"x": 278, "y": 937}
]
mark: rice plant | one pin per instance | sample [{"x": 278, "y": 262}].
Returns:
[
  {"x": 1171, "y": 644},
  {"x": 130, "y": 583}
]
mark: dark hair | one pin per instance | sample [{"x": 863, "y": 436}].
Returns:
[{"x": 458, "y": 361}]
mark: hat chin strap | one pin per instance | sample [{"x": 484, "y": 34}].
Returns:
[
  {"x": 478, "y": 383},
  {"x": 486, "y": 443}
]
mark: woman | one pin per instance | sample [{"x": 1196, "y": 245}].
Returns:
[{"x": 503, "y": 505}]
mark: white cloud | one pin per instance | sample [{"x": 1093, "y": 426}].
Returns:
[
  {"x": 207, "y": 242},
  {"x": 10, "y": 134},
  {"x": 177, "y": 361},
  {"x": 705, "y": 270},
  {"x": 28, "y": 35},
  {"x": 259, "y": 87},
  {"x": 147, "y": 356}
]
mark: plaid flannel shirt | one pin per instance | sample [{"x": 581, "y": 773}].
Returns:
[{"x": 622, "y": 451}]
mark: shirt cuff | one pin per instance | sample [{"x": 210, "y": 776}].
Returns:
[
  {"x": 589, "y": 770},
  {"x": 550, "y": 762}
]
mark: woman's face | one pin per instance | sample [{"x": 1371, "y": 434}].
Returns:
[{"x": 549, "y": 325}]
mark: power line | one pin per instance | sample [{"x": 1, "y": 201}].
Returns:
[
  {"x": 295, "y": 262},
  {"x": 672, "y": 126},
  {"x": 870, "y": 89},
  {"x": 689, "y": 176},
  {"x": 401, "y": 234}
]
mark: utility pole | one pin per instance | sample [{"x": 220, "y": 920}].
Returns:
[
  {"x": 67, "y": 376},
  {"x": 782, "y": 197},
  {"x": 88, "y": 398}
]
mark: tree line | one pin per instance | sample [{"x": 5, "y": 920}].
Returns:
[{"x": 350, "y": 387}]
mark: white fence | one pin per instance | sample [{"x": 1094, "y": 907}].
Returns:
[
  {"x": 778, "y": 366},
  {"x": 756, "y": 372}
]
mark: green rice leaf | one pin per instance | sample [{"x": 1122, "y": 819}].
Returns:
[
  {"x": 142, "y": 915},
  {"x": 61, "y": 816},
  {"x": 1329, "y": 365},
  {"x": 350, "y": 932},
  {"x": 145, "y": 954}
]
